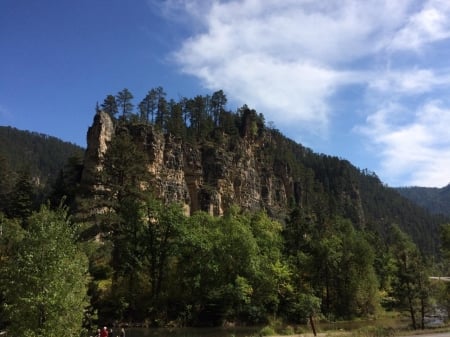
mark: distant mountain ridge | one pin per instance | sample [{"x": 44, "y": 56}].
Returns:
[{"x": 435, "y": 200}]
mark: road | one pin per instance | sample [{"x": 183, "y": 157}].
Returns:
[
  {"x": 440, "y": 278},
  {"x": 440, "y": 334}
]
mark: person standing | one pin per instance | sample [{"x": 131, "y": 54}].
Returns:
[
  {"x": 104, "y": 332},
  {"x": 122, "y": 332}
]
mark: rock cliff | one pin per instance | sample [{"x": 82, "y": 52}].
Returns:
[
  {"x": 98, "y": 137},
  {"x": 213, "y": 175}
]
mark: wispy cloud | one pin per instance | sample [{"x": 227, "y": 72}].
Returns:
[
  {"x": 415, "y": 146},
  {"x": 412, "y": 81},
  {"x": 427, "y": 25},
  {"x": 289, "y": 59},
  {"x": 5, "y": 114},
  {"x": 284, "y": 58}
]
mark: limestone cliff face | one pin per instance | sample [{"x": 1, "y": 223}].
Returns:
[{"x": 207, "y": 176}]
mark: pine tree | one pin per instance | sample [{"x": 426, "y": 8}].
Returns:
[
  {"x": 22, "y": 197},
  {"x": 109, "y": 106},
  {"x": 124, "y": 103}
]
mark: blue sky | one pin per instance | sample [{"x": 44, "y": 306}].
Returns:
[{"x": 368, "y": 80}]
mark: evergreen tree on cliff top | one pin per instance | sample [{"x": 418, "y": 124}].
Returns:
[{"x": 124, "y": 103}]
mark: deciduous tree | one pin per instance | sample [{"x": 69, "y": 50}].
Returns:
[{"x": 45, "y": 280}]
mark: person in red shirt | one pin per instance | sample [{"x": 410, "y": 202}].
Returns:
[{"x": 104, "y": 332}]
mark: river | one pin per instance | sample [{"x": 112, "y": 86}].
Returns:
[
  {"x": 191, "y": 332},
  {"x": 253, "y": 331}
]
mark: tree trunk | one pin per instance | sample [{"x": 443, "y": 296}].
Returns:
[{"x": 313, "y": 327}]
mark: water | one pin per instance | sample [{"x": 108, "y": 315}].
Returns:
[
  {"x": 253, "y": 331},
  {"x": 192, "y": 332}
]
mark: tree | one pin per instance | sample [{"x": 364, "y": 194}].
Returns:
[
  {"x": 22, "y": 197},
  {"x": 217, "y": 106},
  {"x": 152, "y": 103},
  {"x": 124, "y": 169},
  {"x": 6, "y": 182},
  {"x": 11, "y": 232},
  {"x": 410, "y": 286},
  {"x": 334, "y": 263},
  {"x": 163, "y": 223},
  {"x": 445, "y": 244},
  {"x": 124, "y": 103},
  {"x": 128, "y": 254},
  {"x": 445, "y": 250},
  {"x": 45, "y": 280},
  {"x": 67, "y": 183},
  {"x": 162, "y": 113},
  {"x": 175, "y": 124},
  {"x": 121, "y": 222},
  {"x": 199, "y": 121},
  {"x": 148, "y": 106},
  {"x": 231, "y": 267},
  {"x": 109, "y": 106}
]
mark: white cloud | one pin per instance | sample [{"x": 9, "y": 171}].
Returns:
[
  {"x": 412, "y": 81},
  {"x": 414, "y": 147},
  {"x": 428, "y": 25},
  {"x": 288, "y": 59}
]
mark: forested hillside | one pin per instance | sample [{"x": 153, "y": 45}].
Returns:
[
  {"x": 435, "y": 200},
  {"x": 186, "y": 213},
  {"x": 30, "y": 163},
  {"x": 42, "y": 155}
]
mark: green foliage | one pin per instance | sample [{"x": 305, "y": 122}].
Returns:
[
  {"x": 374, "y": 331},
  {"x": 43, "y": 155},
  {"x": 67, "y": 185},
  {"x": 22, "y": 199},
  {"x": 267, "y": 331},
  {"x": 44, "y": 280},
  {"x": 11, "y": 233},
  {"x": 29, "y": 166},
  {"x": 124, "y": 102},
  {"x": 175, "y": 123},
  {"x": 124, "y": 168},
  {"x": 410, "y": 284},
  {"x": 329, "y": 253},
  {"x": 152, "y": 107},
  {"x": 331, "y": 256},
  {"x": 163, "y": 227},
  {"x": 435, "y": 200},
  {"x": 110, "y": 106},
  {"x": 445, "y": 244},
  {"x": 337, "y": 263},
  {"x": 6, "y": 182},
  {"x": 230, "y": 264}
]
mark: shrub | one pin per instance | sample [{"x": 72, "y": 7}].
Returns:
[{"x": 267, "y": 331}]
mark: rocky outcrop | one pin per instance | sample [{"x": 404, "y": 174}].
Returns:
[
  {"x": 98, "y": 137},
  {"x": 211, "y": 176}
]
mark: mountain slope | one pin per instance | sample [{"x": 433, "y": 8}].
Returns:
[
  {"x": 42, "y": 155},
  {"x": 435, "y": 200}
]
